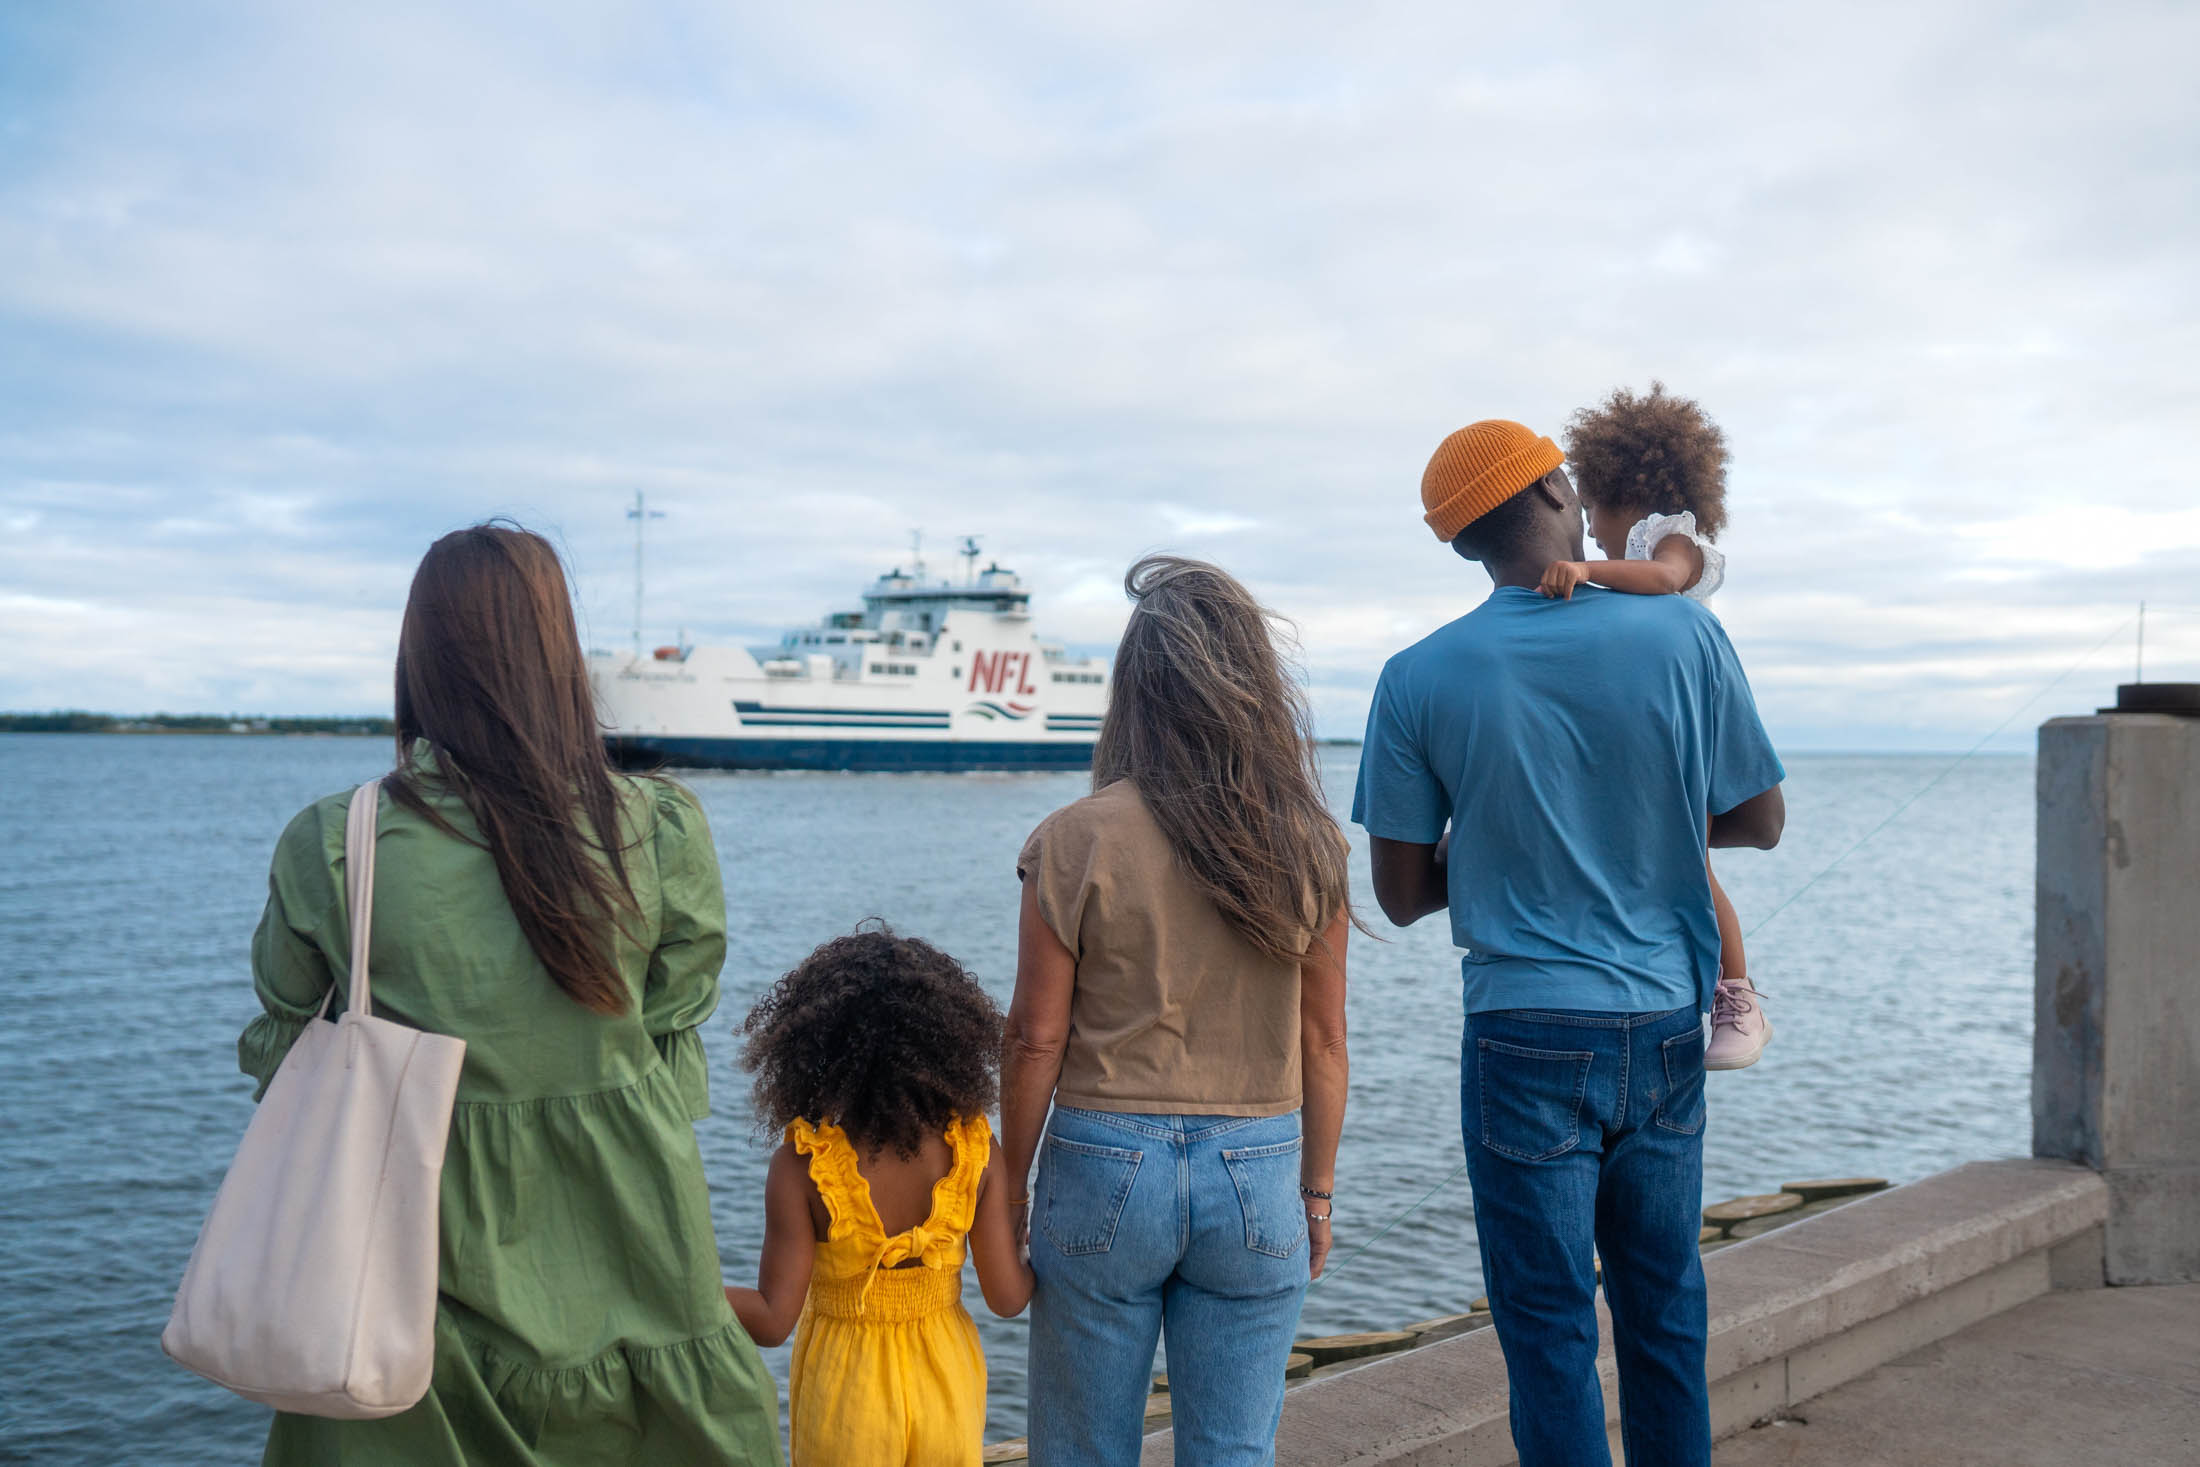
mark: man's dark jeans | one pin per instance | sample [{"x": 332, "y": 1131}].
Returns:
[{"x": 1584, "y": 1135}]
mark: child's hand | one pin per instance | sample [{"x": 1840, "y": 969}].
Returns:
[{"x": 1561, "y": 576}]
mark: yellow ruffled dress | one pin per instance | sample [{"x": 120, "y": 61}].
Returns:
[{"x": 887, "y": 1367}]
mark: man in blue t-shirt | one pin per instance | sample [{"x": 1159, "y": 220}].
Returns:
[{"x": 1578, "y": 750}]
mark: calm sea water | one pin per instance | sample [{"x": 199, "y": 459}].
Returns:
[{"x": 132, "y": 870}]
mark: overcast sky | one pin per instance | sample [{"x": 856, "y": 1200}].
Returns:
[{"x": 287, "y": 290}]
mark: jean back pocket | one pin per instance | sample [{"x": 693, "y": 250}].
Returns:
[
  {"x": 1082, "y": 1189},
  {"x": 1682, "y": 1109},
  {"x": 1531, "y": 1098},
  {"x": 1267, "y": 1182}
]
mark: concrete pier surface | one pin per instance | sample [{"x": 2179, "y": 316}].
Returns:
[{"x": 2109, "y": 1376}]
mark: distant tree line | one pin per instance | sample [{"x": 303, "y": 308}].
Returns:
[{"x": 78, "y": 721}]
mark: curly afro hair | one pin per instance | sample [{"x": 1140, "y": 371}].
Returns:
[
  {"x": 885, "y": 1036},
  {"x": 1653, "y": 454}
]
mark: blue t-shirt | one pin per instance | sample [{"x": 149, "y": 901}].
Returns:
[{"x": 1577, "y": 749}]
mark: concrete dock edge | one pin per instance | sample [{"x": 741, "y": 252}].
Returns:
[{"x": 1793, "y": 1314}]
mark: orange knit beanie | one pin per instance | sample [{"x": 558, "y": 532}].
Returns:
[{"x": 1480, "y": 467}]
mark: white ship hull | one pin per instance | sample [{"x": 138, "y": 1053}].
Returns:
[{"x": 927, "y": 677}]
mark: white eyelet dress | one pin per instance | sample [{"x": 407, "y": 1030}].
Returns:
[{"x": 1643, "y": 540}]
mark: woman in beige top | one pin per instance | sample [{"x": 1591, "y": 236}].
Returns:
[{"x": 1179, "y": 999}]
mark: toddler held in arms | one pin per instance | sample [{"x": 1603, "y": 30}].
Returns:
[
  {"x": 1651, "y": 471},
  {"x": 878, "y": 1056}
]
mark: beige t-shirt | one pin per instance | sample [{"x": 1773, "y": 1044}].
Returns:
[{"x": 1174, "y": 1013}]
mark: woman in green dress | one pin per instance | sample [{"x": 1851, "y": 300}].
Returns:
[{"x": 582, "y": 1320}]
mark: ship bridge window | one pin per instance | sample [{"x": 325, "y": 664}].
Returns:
[{"x": 1077, "y": 677}]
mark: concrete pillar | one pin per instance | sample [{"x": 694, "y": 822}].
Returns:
[{"x": 2116, "y": 1038}]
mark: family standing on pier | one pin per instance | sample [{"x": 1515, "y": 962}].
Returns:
[{"x": 1548, "y": 768}]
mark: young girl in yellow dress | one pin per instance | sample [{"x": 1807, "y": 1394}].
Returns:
[{"x": 878, "y": 1056}]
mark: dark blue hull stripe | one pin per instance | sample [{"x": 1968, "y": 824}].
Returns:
[
  {"x": 745, "y": 708},
  {"x": 763, "y": 720},
  {"x": 908, "y": 755}
]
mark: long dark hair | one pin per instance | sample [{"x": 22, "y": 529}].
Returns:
[
  {"x": 1203, "y": 719},
  {"x": 490, "y": 674}
]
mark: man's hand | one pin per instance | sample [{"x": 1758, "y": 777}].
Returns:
[{"x": 1561, "y": 576}]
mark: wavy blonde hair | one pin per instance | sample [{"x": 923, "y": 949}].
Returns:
[{"x": 1205, "y": 720}]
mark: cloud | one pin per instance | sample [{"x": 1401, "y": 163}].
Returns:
[
  {"x": 286, "y": 291},
  {"x": 1192, "y": 523},
  {"x": 2111, "y": 537}
]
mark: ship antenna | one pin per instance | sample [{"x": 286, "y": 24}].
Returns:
[
  {"x": 641, "y": 514},
  {"x": 916, "y": 555},
  {"x": 969, "y": 553}
]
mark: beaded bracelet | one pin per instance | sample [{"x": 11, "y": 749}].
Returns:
[{"x": 1306, "y": 1191}]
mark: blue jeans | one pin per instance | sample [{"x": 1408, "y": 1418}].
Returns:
[
  {"x": 1584, "y": 1136},
  {"x": 1142, "y": 1223}
]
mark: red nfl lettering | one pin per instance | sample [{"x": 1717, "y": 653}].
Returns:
[
  {"x": 1023, "y": 674},
  {"x": 984, "y": 667}
]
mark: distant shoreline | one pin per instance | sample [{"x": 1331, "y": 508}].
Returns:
[
  {"x": 78, "y": 721},
  {"x": 366, "y": 727},
  {"x": 217, "y": 723}
]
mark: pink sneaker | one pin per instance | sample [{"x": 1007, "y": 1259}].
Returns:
[{"x": 1739, "y": 1028}]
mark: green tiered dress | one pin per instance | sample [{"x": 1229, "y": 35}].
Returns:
[{"x": 583, "y": 1321}]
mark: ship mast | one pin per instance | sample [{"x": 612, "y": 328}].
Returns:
[{"x": 641, "y": 514}]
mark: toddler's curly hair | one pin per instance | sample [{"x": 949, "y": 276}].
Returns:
[
  {"x": 1652, "y": 454},
  {"x": 883, "y": 1035}
]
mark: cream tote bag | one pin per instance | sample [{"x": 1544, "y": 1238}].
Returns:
[{"x": 313, "y": 1285}]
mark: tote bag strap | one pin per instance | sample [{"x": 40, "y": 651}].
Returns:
[{"x": 359, "y": 823}]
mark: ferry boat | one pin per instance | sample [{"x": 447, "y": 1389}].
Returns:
[{"x": 929, "y": 675}]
